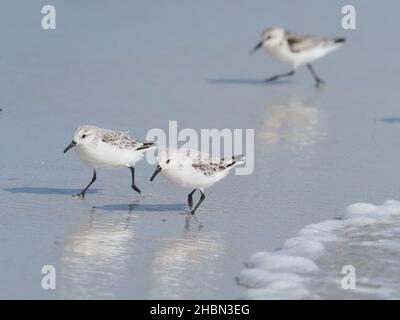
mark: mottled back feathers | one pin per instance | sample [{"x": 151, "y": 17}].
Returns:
[
  {"x": 122, "y": 140},
  {"x": 299, "y": 42}
]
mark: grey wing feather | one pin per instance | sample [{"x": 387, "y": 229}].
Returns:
[
  {"x": 120, "y": 139},
  {"x": 298, "y": 42},
  {"x": 210, "y": 165},
  {"x": 207, "y": 164},
  {"x": 112, "y": 135},
  {"x": 207, "y": 168}
]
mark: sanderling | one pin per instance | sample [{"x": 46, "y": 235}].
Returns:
[
  {"x": 296, "y": 49},
  {"x": 105, "y": 149},
  {"x": 193, "y": 169}
]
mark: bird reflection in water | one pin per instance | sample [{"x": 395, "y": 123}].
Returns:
[
  {"x": 290, "y": 123},
  {"x": 96, "y": 254},
  {"x": 187, "y": 266}
]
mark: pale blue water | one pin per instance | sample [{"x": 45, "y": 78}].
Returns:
[{"x": 136, "y": 65}]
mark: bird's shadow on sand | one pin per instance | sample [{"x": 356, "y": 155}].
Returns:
[
  {"x": 181, "y": 207},
  {"x": 389, "y": 120},
  {"x": 240, "y": 81},
  {"x": 43, "y": 190}
]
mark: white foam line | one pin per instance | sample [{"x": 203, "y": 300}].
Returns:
[{"x": 285, "y": 273}]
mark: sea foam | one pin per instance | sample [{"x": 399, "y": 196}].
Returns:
[{"x": 309, "y": 265}]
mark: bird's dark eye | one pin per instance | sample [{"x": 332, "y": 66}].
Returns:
[
  {"x": 84, "y": 136},
  {"x": 168, "y": 161}
]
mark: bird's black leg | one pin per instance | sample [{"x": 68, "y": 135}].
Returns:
[
  {"x": 82, "y": 193},
  {"x": 318, "y": 80},
  {"x": 203, "y": 196},
  {"x": 133, "y": 180},
  {"x": 190, "y": 199},
  {"x": 278, "y": 76}
]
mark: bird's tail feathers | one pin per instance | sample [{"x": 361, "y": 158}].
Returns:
[
  {"x": 233, "y": 161},
  {"x": 147, "y": 145},
  {"x": 339, "y": 40}
]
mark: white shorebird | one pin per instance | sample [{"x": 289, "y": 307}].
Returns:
[
  {"x": 193, "y": 169},
  {"x": 296, "y": 50},
  {"x": 106, "y": 149}
]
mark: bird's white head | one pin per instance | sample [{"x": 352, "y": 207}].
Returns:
[
  {"x": 270, "y": 38},
  {"x": 83, "y": 135},
  {"x": 169, "y": 159}
]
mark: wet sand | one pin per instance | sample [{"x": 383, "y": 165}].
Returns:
[{"x": 135, "y": 66}]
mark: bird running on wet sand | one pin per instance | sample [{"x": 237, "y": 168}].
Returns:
[
  {"x": 193, "y": 169},
  {"x": 296, "y": 50},
  {"x": 106, "y": 149}
]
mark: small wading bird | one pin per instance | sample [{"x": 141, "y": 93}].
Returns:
[
  {"x": 106, "y": 149},
  {"x": 192, "y": 169},
  {"x": 296, "y": 50}
]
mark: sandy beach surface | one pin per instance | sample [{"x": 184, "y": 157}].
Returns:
[{"x": 136, "y": 65}]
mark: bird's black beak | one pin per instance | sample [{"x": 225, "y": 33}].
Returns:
[
  {"x": 158, "y": 170},
  {"x": 258, "y": 46},
  {"x": 71, "y": 145}
]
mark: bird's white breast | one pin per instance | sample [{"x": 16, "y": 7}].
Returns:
[
  {"x": 187, "y": 176},
  {"x": 282, "y": 53},
  {"x": 104, "y": 156}
]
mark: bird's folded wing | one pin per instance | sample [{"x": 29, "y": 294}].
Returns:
[
  {"x": 211, "y": 164},
  {"x": 298, "y": 42},
  {"x": 120, "y": 139},
  {"x": 113, "y": 135},
  {"x": 204, "y": 162},
  {"x": 208, "y": 167}
]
